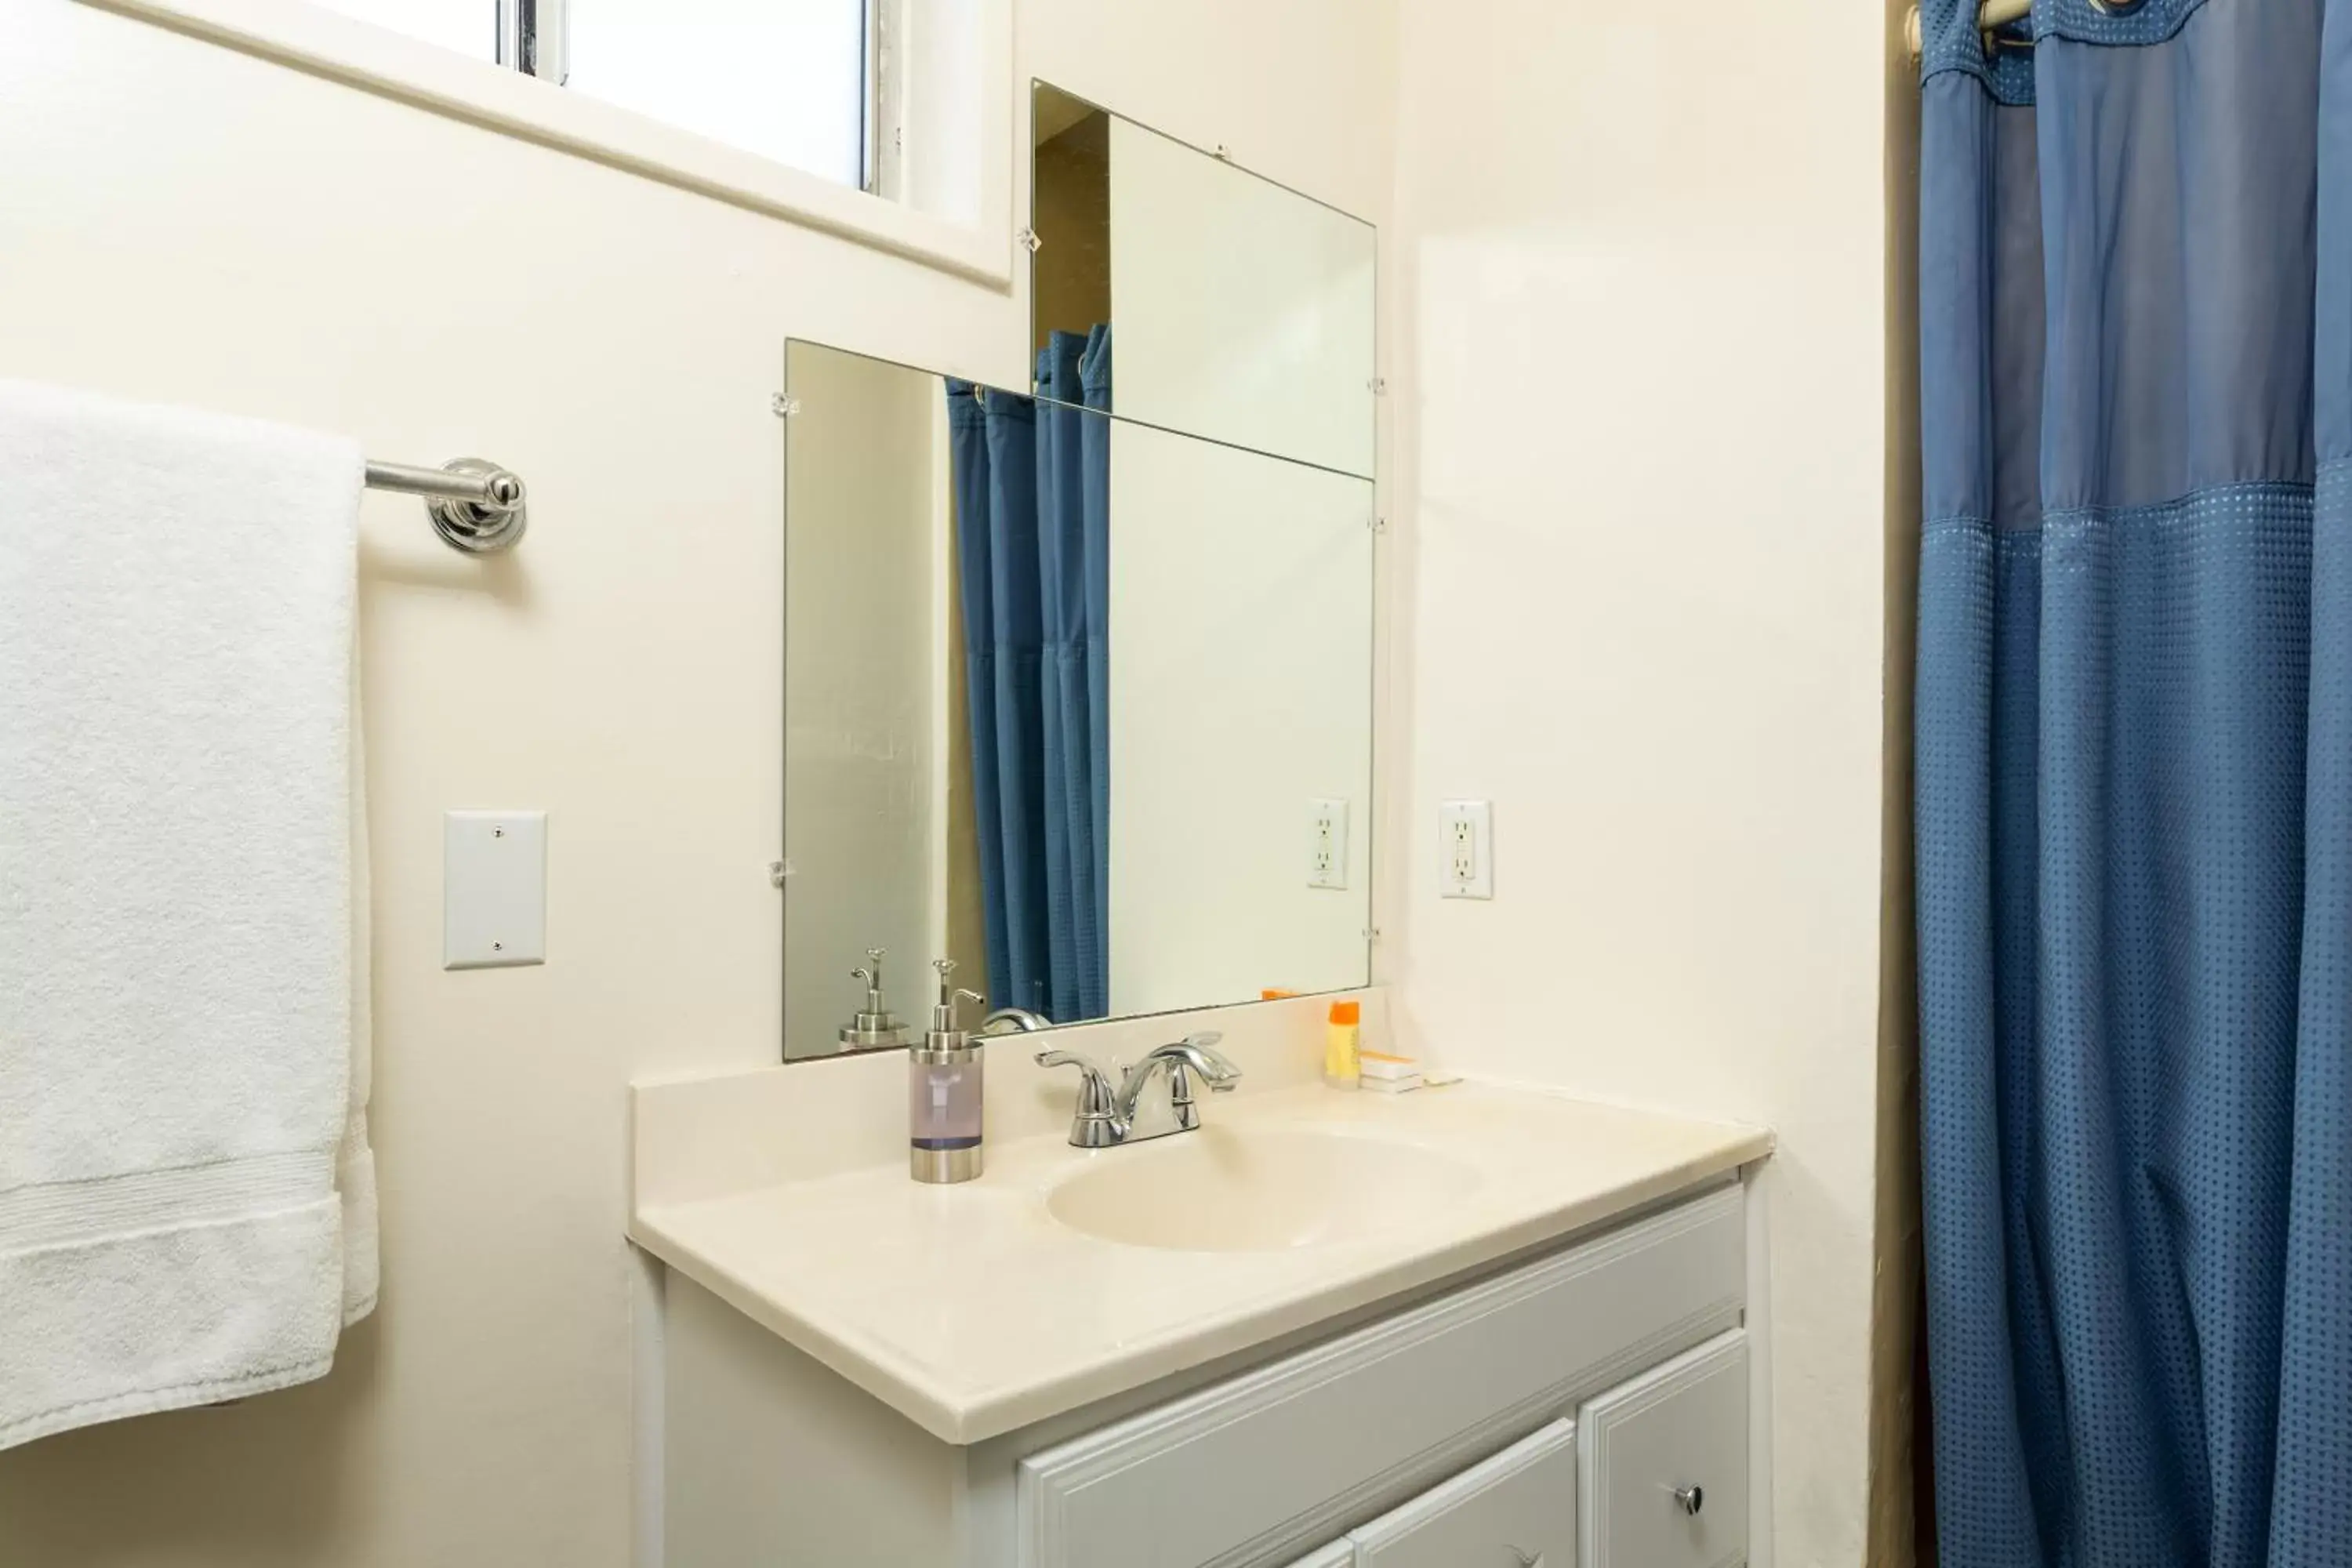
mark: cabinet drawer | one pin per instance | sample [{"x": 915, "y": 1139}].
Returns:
[
  {"x": 1252, "y": 1469},
  {"x": 1517, "y": 1507},
  {"x": 1663, "y": 1464}
]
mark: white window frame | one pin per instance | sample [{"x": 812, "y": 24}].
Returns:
[
  {"x": 534, "y": 36},
  {"x": 940, "y": 118}
]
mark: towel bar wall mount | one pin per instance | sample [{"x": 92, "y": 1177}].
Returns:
[{"x": 476, "y": 506}]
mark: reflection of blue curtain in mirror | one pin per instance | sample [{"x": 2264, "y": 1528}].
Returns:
[{"x": 1032, "y": 536}]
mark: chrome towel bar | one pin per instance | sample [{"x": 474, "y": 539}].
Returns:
[{"x": 476, "y": 506}]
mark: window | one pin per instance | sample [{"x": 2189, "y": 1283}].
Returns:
[
  {"x": 783, "y": 77},
  {"x": 795, "y": 81}
]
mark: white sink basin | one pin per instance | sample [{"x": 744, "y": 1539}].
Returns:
[{"x": 1255, "y": 1191}]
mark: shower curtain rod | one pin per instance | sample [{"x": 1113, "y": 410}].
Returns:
[{"x": 1991, "y": 14}]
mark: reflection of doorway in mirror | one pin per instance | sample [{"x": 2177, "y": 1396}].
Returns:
[
  {"x": 1246, "y": 309},
  {"x": 958, "y": 891},
  {"x": 1070, "y": 201}
]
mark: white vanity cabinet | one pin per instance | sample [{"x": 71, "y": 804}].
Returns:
[
  {"x": 1341, "y": 1554},
  {"x": 1567, "y": 1408},
  {"x": 1517, "y": 1507},
  {"x": 1662, "y": 1463},
  {"x": 1653, "y": 1474}
]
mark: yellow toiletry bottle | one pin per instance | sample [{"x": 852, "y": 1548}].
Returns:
[{"x": 1342, "y": 1065}]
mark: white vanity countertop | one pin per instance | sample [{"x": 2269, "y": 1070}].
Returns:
[{"x": 972, "y": 1311}]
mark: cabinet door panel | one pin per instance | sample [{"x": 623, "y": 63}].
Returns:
[
  {"x": 1517, "y": 1509},
  {"x": 1663, "y": 1464}
]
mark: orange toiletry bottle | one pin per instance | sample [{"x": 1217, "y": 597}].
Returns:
[{"x": 1342, "y": 1042}]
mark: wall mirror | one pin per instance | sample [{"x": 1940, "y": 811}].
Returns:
[
  {"x": 1082, "y": 704},
  {"x": 1239, "y": 309}
]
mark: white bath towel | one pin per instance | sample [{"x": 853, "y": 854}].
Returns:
[{"x": 186, "y": 1194}]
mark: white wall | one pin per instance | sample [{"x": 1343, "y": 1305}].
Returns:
[
  {"x": 1245, "y": 312},
  {"x": 188, "y": 224},
  {"x": 1240, "y": 650},
  {"x": 862, "y": 662},
  {"x": 1640, "y": 305}
]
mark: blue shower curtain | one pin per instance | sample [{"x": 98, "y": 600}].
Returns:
[
  {"x": 1032, "y": 483},
  {"x": 2134, "y": 784}
]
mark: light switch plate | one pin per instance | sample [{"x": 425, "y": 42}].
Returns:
[{"x": 493, "y": 889}]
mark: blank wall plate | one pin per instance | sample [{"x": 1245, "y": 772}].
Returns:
[
  {"x": 493, "y": 889},
  {"x": 1465, "y": 836},
  {"x": 1327, "y": 844}
]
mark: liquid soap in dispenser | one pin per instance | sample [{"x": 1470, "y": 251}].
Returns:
[{"x": 943, "y": 1084}]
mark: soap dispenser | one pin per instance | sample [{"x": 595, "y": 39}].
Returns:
[
  {"x": 873, "y": 1027},
  {"x": 943, "y": 1081}
]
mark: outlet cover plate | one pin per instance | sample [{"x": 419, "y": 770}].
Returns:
[
  {"x": 493, "y": 889},
  {"x": 1327, "y": 844},
  {"x": 1465, "y": 847}
]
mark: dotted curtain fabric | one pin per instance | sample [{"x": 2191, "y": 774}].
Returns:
[
  {"x": 2135, "y": 796},
  {"x": 1032, "y": 485}
]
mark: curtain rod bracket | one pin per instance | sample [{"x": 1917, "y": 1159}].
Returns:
[{"x": 1992, "y": 15}]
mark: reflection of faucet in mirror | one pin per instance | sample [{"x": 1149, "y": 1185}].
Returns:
[
  {"x": 1105, "y": 1116},
  {"x": 874, "y": 1029},
  {"x": 1005, "y": 1020}
]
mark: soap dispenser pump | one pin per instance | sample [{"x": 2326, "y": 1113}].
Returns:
[
  {"x": 943, "y": 1092},
  {"x": 873, "y": 1027}
]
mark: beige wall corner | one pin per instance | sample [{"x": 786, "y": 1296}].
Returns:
[{"x": 1898, "y": 1449}]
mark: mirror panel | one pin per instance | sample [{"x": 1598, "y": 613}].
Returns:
[
  {"x": 1061, "y": 693},
  {"x": 1241, "y": 615},
  {"x": 869, "y": 650},
  {"x": 1242, "y": 310}
]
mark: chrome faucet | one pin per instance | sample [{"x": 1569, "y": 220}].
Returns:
[
  {"x": 1005, "y": 1020},
  {"x": 1108, "y": 1114}
]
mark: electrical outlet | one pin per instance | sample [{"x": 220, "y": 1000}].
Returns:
[
  {"x": 1327, "y": 844},
  {"x": 1466, "y": 839}
]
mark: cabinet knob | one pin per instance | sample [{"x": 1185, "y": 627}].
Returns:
[{"x": 1690, "y": 1500}]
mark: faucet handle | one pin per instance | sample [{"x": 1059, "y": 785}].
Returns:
[
  {"x": 1097, "y": 1124},
  {"x": 1094, "y": 1084}
]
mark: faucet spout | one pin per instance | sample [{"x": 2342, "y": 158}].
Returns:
[{"x": 1192, "y": 1053}]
